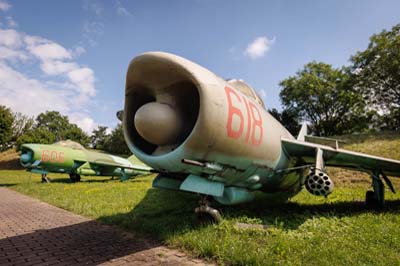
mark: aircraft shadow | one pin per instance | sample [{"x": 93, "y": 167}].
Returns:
[
  {"x": 162, "y": 213},
  {"x": 291, "y": 215},
  {"x": 67, "y": 180},
  {"x": 86, "y": 243}
]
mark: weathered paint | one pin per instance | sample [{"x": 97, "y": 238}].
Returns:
[
  {"x": 62, "y": 159},
  {"x": 231, "y": 129}
]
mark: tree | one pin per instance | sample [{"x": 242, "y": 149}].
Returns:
[
  {"x": 6, "y": 121},
  {"x": 21, "y": 125},
  {"x": 324, "y": 96},
  {"x": 37, "y": 135},
  {"x": 73, "y": 132},
  {"x": 60, "y": 126},
  {"x": 54, "y": 122},
  {"x": 288, "y": 118},
  {"x": 116, "y": 142},
  {"x": 377, "y": 74},
  {"x": 99, "y": 137}
]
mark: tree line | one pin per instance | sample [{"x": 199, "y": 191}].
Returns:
[
  {"x": 360, "y": 97},
  {"x": 51, "y": 126}
]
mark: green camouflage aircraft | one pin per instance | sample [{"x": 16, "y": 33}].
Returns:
[
  {"x": 214, "y": 137},
  {"x": 72, "y": 158}
]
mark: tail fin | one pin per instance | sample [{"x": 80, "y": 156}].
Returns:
[{"x": 303, "y": 132}]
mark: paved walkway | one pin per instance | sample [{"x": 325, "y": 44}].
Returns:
[{"x": 36, "y": 233}]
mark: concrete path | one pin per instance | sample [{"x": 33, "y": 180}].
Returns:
[{"x": 36, "y": 233}]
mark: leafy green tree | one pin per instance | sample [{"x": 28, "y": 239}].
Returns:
[
  {"x": 73, "y": 132},
  {"x": 60, "y": 126},
  {"x": 377, "y": 74},
  {"x": 6, "y": 121},
  {"x": 37, "y": 135},
  {"x": 99, "y": 137},
  {"x": 288, "y": 118},
  {"x": 324, "y": 96},
  {"x": 116, "y": 142},
  {"x": 54, "y": 122}
]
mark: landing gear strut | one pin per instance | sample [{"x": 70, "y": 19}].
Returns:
[
  {"x": 45, "y": 178},
  {"x": 74, "y": 177},
  {"x": 376, "y": 197},
  {"x": 205, "y": 213}
]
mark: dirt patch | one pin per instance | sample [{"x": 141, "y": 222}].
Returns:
[{"x": 9, "y": 160}]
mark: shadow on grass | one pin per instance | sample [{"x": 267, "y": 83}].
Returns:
[
  {"x": 292, "y": 215},
  {"x": 101, "y": 179},
  {"x": 8, "y": 185},
  {"x": 163, "y": 213}
]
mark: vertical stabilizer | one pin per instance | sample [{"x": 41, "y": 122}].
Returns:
[{"x": 303, "y": 132}]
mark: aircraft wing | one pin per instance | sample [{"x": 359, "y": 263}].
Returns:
[
  {"x": 131, "y": 166},
  {"x": 337, "y": 157}
]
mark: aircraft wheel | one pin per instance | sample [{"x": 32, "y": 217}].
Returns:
[{"x": 74, "y": 177}]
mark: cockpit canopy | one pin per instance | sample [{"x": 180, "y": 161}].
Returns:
[
  {"x": 70, "y": 144},
  {"x": 246, "y": 90}
]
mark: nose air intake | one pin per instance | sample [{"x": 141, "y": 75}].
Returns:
[
  {"x": 26, "y": 157},
  {"x": 162, "y": 104}
]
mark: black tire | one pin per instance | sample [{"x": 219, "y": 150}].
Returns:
[
  {"x": 74, "y": 177},
  {"x": 205, "y": 218}
]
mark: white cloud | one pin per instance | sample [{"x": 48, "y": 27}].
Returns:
[
  {"x": 47, "y": 50},
  {"x": 93, "y": 6},
  {"x": 84, "y": 121},
  {"x": 4, "y": 6},
  {"x": 77, "y": 51},
  {"x": 263, "y": 93},
  {"x": 11, "y": 22},
  {"x": 84, "y": 79},
  {"x": 122, "y": 11},
  {"x": 65, "y": 85},
  {"x": 27, "y": 95},
  {"x": 56, "y": 67},
  {"x": 259, "y": 47},
  {"x": 11, "y": 54},
  {"x": 10, "y": 38},
  {"x": 92, "y": 30}
]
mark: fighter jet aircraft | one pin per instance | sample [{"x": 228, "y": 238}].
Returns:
[
  {"x": 72, "y": 158},
  {"x": 214, "y": 137}
]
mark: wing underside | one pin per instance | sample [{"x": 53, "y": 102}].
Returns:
[{"x": 337, "y": 157}]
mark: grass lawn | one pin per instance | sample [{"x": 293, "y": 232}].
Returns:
[{"x": 308, "y": 230}]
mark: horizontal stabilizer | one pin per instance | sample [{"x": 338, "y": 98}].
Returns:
[{"x": 333, "y": 143}]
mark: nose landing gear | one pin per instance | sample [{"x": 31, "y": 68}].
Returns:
[{"x": 205, "y": 213}]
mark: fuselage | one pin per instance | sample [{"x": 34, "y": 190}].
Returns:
[
  {"x": 227, "y": 135},
  {"x": 61, "y": 159}
]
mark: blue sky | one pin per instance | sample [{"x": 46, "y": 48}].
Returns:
[{"x": 72, "y": 56}]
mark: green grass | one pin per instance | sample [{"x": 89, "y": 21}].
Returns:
[{"x": 308, "y": 230}]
